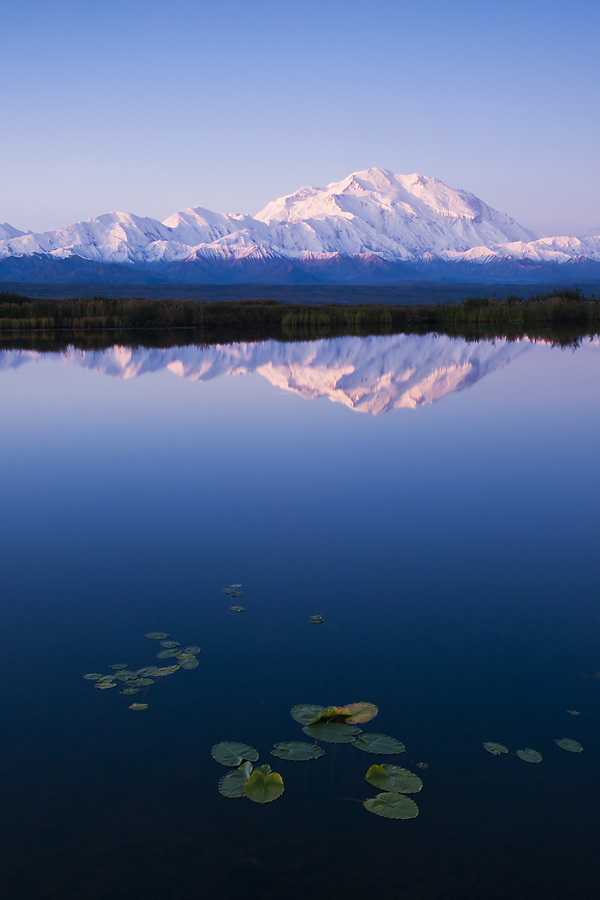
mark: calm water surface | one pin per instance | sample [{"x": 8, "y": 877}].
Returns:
[{"x": 435, "y": 501}]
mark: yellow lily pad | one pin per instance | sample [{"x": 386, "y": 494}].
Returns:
[{"x": 264, "y": 786}]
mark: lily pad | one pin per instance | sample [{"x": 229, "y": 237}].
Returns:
[
  {"x": 167, "y": 654},
  {"x": 394, "y": 778},
  {"x": 237, "y": 593},
  {"x": 495, "y": 749},
  {"x": 227, "y": 590},
  {"x": 138, "y": 706},
  {"x": 316, "y": 620},
  {"x": 141, "y": 682},
  {"x": 232, "y": 784},
  {"x": 93, "y": 676},
  {"x": 297, "y": 750},
  {"x": 118, "y": 666},
  {"x": 146, "y": 672},
  {"x": 391, "y": 805},
  {"x": 105, "y": 685},
  {"x": 570, "y": 745},
  {"x": 237, "y": 608},
  {"x": 332, "y": 732},
  {"x": 165, "y": 670},
  {"x": 307, "y": 712},
  {"x": 157, "y": 635},
  {"x": 230, "y": 753},
  {"x": 529, "y": 755},
  {"x": 573, "y": 712},
  {"x": 193, "y": 650},
  {"x": 331, "y": 712},
  {"x": 381, "y": 744},
  {"x": 361, "y": 712},
  {"x": 170, "y": 645},
  {"x": 130, "y": 690},
  {"x": 125, "y": 675},
  {"x": 263, "y": 786},
  {"x": 190, "y": 663},
  {"x": 236, "y": 586}
]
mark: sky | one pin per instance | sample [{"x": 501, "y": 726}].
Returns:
[{"x": 150, "y": 107}]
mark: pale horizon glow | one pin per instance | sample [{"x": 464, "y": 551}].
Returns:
[{"x": 150, "y": 109}]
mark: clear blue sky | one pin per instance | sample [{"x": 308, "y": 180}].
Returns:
[{"x": 150, "y": 107}]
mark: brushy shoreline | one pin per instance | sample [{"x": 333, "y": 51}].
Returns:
[{"x": 543, "y": 315}]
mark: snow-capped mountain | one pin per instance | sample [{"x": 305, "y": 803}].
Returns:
[
  {"x": 374, "y": 226},
  {"x": 372, "y": 375}
]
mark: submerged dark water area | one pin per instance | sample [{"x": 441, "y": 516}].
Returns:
[{"x": 433, "y": 499}]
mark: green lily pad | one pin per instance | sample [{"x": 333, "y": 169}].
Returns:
[
  {"x": 189, "y": 663},
  {"x": 228, "y": 590},
  {"x": 391, "y": 805},
  {"x": 381, "y": 744},
  {"x": 93, "y": 676},
  {"x": 157, "y": 635},
  {"x": 141, "y": 682},
  {"x": 193, "y": 650},
  {"x": 495, "y": 749},
  {"x": 105, "y": 685},
  {"x": 307, "y": 712},
  {"x": 118, "y": 666},
  {"x": 361, "y": 712},
  {"x": 393, "y": 778},
  {"x": 331, "y": 712},
  {"x": 165, "y": 670},
  {"x": 297, "y": 750},
  {"x": 146, "y": 672},
  {"x": 237, "y": 608},
  {"x": 167, "y": 654},
  {"x": 316, "y": 620},
  {"x": 332, "y": 732},
  {"x": 138, "y": 706},
  {"x": 170, "y": 645},
  {"x": 570, "y": 745},
  {"x": 125, "y": 675},
  {"x": 573, "y": 712},
  {"x": 130, "y": 690},
  {"x": 529, "y": 755},
  {"x": 263, "y": 786},
  {"x": 232, "y": 784},
  {"x": 237, "y": 593},
  {"x": 230, "y": 753}
]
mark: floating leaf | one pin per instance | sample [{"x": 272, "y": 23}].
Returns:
[
  {"x": 381, "y": 744},
  {"x": 236, "y": 586},
  {"x": 232, "y": 784},
  {"x": 529, "y": 755},
  {"x": 105, "y": 685},
  {"x": 130, "y": 690},
  {"x": 193, "y": 650},
  {"x": 230, "y": 753},
  {"x": 332, "y": 732},
  {"x": 165, "y": 670},
  {"x": 393, "y": 778},
  {"x": 118, "y": 666},
  {"x": 316, "y": 620},
  {"x": 141, "y": 682},
  {"x": 570, "y": 745},
  {"x": 166, "y": 654},
  {"x": 156, "y": 635},
  {"x": 138, "y": 706},
  {"x": 573, "y": 712},
  {"x": 189, "y": 662},
  {"x": 147, "y": 671},
  {"x": 93, "y": 676},
  {"x": 237, "y": 593},
  {"x": 264, "y": 786},
  {"x": 331, "y": 712},
  {"x": 237, "y": 608},
  {"x": 125, "y": 675},
  {"x": 170, "y": 645},
  {"x": 391, "y": 805},
  {"x": 361, "y": 712},
  {"x": 227, "y": 590},
  {"x": 306, "y": 713},
  {"x": 495, "y": 749},
  {"x": 297, "y": 750}
]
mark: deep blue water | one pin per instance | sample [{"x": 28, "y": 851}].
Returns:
[{"x": 436, "y": 502}]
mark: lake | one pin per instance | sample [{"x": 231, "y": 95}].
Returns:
[{"x": 435, "y": 501}]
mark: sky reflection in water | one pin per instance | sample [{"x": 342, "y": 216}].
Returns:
[{"x": 449, "y": 545}]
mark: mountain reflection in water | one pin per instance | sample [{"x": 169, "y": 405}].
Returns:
[{"x": 372, "y": 375}]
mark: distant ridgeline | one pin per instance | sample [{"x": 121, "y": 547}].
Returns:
[{"x": 541, "y": 314}]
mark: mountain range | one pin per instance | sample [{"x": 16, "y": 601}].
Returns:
[{"x": 374, "y": 227}]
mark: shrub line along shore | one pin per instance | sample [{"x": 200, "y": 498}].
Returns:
[{"x": 567, "y": 307}]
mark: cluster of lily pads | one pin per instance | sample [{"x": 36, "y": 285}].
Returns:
[
  {"x": 133, "y": 681},
  {"x": 234, "y": 591},
  {"x": 532, "y": 756},
  {"x": 334, "y": 725}
]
